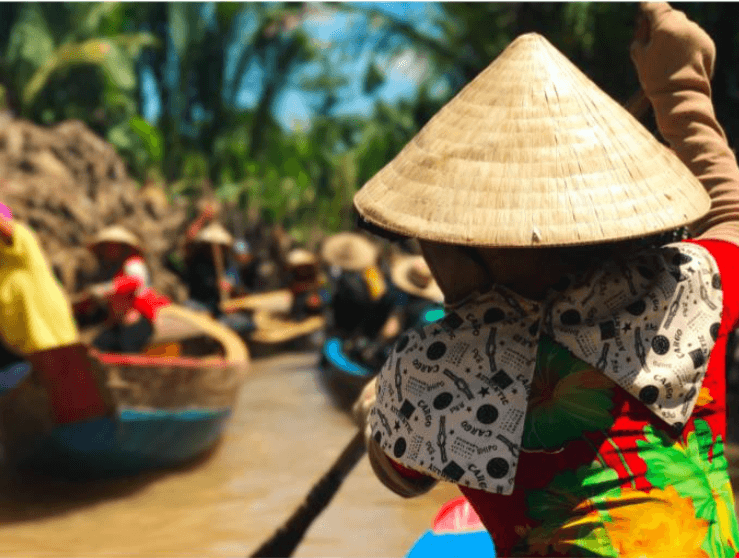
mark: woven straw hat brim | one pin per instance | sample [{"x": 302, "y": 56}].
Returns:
[
  {"x": 115, "y": 234},
  {"x": 275, "y": 327},
  {"x": 349, "y": 251},
  {"x": 532, "y": 153},
  {"x": 399, "y": 274},
  {"x": 299, "y": 257},
  {"x": 214, "y": 234}
]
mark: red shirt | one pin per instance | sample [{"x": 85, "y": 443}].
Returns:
[
  {"x": 551, "y": 494},
  {"x": 132, "y": 293}
]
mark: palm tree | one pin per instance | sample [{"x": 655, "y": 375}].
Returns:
[{"x": 75, "y": 60}]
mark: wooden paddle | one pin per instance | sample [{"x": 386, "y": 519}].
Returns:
[
  {"x": 286, "y": 538},
  {"x": 214, "y": 247},
  {"x": 218, "y": 262}
]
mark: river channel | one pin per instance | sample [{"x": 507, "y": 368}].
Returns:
[{"x": 283, "y": 435}]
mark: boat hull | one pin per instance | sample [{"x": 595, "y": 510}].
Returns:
[
  {"x": 135, "y": 441},
  {"x": 343, "y": 377},
  {"x": 166, "y": 410}
]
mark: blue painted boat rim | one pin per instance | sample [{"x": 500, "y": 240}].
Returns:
[
  {"x": 334, "y": 352},
  {"x": 133, "y": 414},
  {"x": 465, "y": 543}
]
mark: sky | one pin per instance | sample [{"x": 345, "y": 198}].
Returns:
[{"x": 329, "y": 27}]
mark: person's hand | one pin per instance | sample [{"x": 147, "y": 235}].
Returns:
[
  {"x": 225, "y": 286},
  {"x": 97, "y": 292},
  {"x": 363, "y": 405},
  {"x": 665, "y": 41},
  {"x": 391, "y": 329}
]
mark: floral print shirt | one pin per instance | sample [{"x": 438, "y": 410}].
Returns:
[{"x": 600, "y": 474}]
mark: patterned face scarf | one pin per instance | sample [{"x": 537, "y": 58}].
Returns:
[{"x": 453, "y": 396}]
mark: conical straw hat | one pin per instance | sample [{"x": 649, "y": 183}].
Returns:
[
  {"x": 532, "y": 153},
  {"x": 214, "y": 234},
  {"x": 349, "y": 251},
  {"x": 300, "y": 256},
  {"x": 411, "y": 274},
  {"x": 118, "y": 235}
]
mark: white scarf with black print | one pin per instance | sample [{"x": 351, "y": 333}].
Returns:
[{"x": 452, "y": 397}]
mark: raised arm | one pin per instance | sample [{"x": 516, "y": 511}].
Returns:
[
  {"x": 208, "y": 212},
  {"x": 674, "y": 59}
]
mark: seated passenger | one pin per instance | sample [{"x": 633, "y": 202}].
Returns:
[
  {"x": 132, "y": 303},
  {"x": 204, "y": 252},
  {"x": 207, "y": 282},
  {"x": 305, "y": 283},
  {"x": 361, "y": 303},
  {"x": 36, "y": 324}
]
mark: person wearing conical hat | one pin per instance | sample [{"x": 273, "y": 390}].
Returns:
[
  {"x": 206, "y": 283},
  {"x": 306, "y": 284},
  {"x": 37, "y": 325},
  {"x": 419, "y": 291},
  {"x": 579, "y": 372},
  {"x": 126, "y": 291},
  {"x": 208, "y": 249},
  {"x": 362, "y": 302}
]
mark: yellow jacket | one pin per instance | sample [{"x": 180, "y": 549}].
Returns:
[{"x": 35, "y": 315}]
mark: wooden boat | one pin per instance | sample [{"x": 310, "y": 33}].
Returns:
[
  {"x": 456, "y": 531},
  {"x": 277, "y": 330},
  {"x": 279, "y": 300},
  {"x": 274, "y": 328},
  {"x": 167, "y": 409},
  {"x": 344, "y": 376}
]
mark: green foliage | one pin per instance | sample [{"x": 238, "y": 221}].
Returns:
[
  {"x": 84, "y": 60},
  {"x": 77, "y": 61}
]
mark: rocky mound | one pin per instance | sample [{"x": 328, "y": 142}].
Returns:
[{"x": 68, "y": 183}]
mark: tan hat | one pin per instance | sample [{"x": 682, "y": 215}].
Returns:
[
  {"x": 118, "y": 235},
  {"x": 349, "y": 251},
  {"x": 411, "y": 274},
  {"x": 214, "y": 234},
  {"x": 300, "y": 256},
  {"x": 532, "y": 153}
]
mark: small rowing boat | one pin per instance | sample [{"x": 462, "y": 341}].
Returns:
[
  {"x": 170, "y": 404},
  {"x": 278, "y": 330},
  {"x": 279, "y": 300}
]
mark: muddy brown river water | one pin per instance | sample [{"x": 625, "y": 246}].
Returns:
[{"x": 283, "y": 436}]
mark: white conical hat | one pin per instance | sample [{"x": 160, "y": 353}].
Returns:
[
  {"x": 348, "y": 250},
  {"x": 116, "y": 234},
  {"x": 214, "y": 234},
  {"x": 532, "y": 153},
  {"x": 299, "y": 257},
  {"x": 412, "y": 275}
]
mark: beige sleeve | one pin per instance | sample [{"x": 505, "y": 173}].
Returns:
[{"x": 675, "y": 67}]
